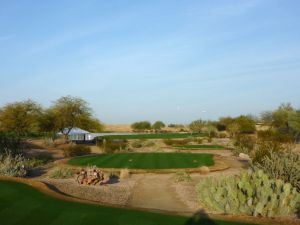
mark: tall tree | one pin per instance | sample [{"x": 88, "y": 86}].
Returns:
[
  {"x": 20, "y": 117},
  {"x": 70, "y": 112}
]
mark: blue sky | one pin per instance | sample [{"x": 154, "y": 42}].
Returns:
[{"x": 167, "y": 60}]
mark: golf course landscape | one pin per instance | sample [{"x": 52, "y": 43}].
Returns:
[
  {"x": 22, "y": 204},
  {"x": 154, "y": 136},
  {"x": 145, "y": 160},
  {"x": 201, "y": 147}
]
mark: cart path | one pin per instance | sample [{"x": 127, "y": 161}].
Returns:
[{"x": 156, "y": 192}]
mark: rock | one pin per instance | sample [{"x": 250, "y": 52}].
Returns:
[
  {"x": 204, "y": 170},
  {"x": 244, "y": 156}
]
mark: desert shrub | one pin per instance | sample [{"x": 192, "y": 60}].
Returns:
[
  {"x": 12, "y": 165},
  {"x": 110, "y": 146},
  {"x": 182, "y": 176},
  {"x": 137, "y": 144},
  {"x": 149, "y": 143},
  {"x": 252, "y": 193},
  {"x": 61, "y": 173},
  {"x": 173, "y": 142},
  {"x": 222, "y": 135},
  {"x": 282, "y": 165},
  {"x": 31, "y": 163},
  {"x": 10, "y": 142},
  {"x": 76, "y": 150},
  {"x": 243, "y": 144},
  {"x": 264, "y": 148},
  {"x": 198, "y": 140}
]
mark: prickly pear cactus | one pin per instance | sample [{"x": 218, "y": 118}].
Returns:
[{"x": 251, "y": 193}]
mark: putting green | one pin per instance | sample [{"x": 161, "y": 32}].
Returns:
[
  {"x": 201, "y": 147},
  {"x": 146, "y": 160},
  {"x": 22, "y": 204}
]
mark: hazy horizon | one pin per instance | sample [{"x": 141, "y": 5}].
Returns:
[{"x": 174, "y": 61}]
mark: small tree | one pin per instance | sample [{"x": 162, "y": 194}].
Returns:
[
  {"x": 197, "y": 125},
  {"x": 158, "y": 125},
  {"x": 141, "y": 126},
  {"x": 247, "y": 124},
  {"x": 209, "y": 129},
  {"x": 20, "y": 117}
]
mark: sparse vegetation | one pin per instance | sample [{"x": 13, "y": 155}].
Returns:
[
  {"x": 76, "y": 150},
  {"x": 61, "y": 173},
  {"x": 12, "y": 165}
]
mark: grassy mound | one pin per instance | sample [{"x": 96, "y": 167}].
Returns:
[
  {"x": 22, "y": 204},
  {"x": 146, "y": 160}
]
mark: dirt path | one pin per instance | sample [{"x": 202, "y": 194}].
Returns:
[{"x": 154, "y": 191}]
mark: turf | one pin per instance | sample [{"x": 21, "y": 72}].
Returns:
[
  {"x": 22, "y": 204},
  {"x": 201, "y": 147},
  {"x": 146, "y": 160},
  {"x": 154, "y": 136}
]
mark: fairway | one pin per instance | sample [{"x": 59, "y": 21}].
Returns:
[
  {"x": 22, "y": 204},
  {"x": 154, "y": 136},
  {"x": 200, "y": 147},
  {"x": 146, "y": 160}
]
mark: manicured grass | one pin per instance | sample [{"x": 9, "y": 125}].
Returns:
[
  {"x": 146, "y": 160},
  {"x": 154, "y": 136},
  {"x": 201, "y": 147},
  {"x": 22, "y": 204}
]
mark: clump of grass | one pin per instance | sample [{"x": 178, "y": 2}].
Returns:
[
  {"x": 61, "y": 173},
  {"x": 182, "y": 176}
]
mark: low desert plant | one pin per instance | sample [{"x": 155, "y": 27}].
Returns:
[
  {"x": 282, "y": 165},
  {"x": 76, "y": 150},
  {"x": 182, "y": 176},
  {"x": 12, "y": 165},
  {"x": 61, "y": 173},
  {"x": 137, "y": 144},
  {"x": 172, "y": 142},
  {"x": 252, "y": 193},
  {"x": 110, "y": 146}
]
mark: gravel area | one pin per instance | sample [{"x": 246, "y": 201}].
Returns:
[{"x": 117, "y": 193}]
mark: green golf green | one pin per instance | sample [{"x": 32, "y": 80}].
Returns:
[
  {"x": 154, "y": 136},
  {"x": 201, "y": 147},
  {"x": 22, "y": 204},
  {"x": 145, "y": 160}
]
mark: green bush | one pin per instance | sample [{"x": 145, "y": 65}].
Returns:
[
  {"x": 244, "y": 144},
  {"x": 173, "y": 142},
  {"x": 251, "y": 193},
  {"x": 77, "y": 150},
  {"x": 61, "y": 173},
  {"x": 12, "y": 165},
  {"x": 282, "y": 165}
]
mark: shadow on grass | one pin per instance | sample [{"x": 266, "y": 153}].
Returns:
[{"x": 200, "y": 218}]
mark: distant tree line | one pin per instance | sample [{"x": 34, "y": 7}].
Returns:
[
  {"x": 147, "y": 126},
  {"x": 25, "y": 118}
]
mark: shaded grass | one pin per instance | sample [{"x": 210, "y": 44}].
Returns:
[
  {"x": 154, "y": 136},
  {"x": 146, "y": 160},
  {"x": 22, "y": 204},
  {"x": 201, "y": 147}
]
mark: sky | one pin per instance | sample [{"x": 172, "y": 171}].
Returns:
[{"x": 168, "y": 60}]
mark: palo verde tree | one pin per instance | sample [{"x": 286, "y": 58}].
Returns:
[
  {"x": 158, "y": 125},
  {"x": 70, "y": 112},
  {"x": 20, "y": 118}
]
